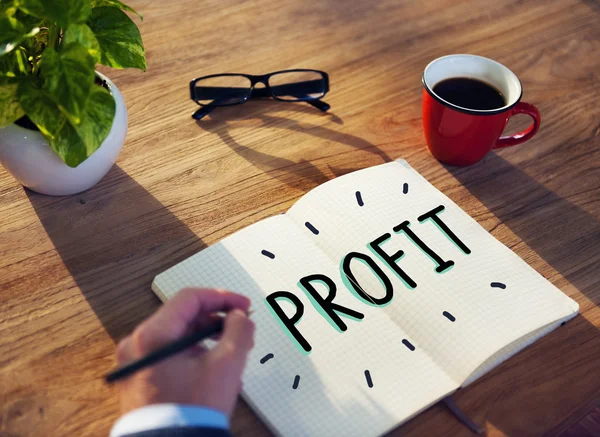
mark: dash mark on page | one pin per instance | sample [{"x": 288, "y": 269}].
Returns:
[
  {"x": 408, "y": 344},
  {"x": 311, "y": 228},
  {"x": 369, "y": 380},
  {"x": 268, "y": 254},
  {"x": 266, "y": 358},
  {"x": 359, "y": 199},
  {"x": 405, "y": 188},
  {"x": 296, "y": 382},
  {"x": 449, "y": 316},
  {"x": 498, "y": 285}
]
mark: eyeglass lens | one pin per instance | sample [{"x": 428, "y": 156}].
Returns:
[
  {"x": 223, "y": 90},
  {"x": 297, "y": 85}
]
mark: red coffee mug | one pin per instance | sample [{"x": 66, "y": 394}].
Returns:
[{"x": 462, "y": 136}]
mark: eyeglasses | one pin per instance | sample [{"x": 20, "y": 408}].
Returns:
[{"x": 233, "y": 89}]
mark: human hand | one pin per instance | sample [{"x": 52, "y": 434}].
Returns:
[{"x": 197, "y": 376}]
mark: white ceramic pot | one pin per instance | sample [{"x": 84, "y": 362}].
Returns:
[{"x": 28, "y": 157}]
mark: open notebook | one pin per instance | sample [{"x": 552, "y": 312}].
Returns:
[{"x": 375, "y": 296}]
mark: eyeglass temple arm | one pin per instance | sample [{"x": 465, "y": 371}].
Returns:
[
  {"x": 202, "y": 112},
  {"x": 298, "y": 89},
  {"x": 319, "y": 104},
  {"x": 301, "y": 90},
  {"x": 205, "y": 110}
]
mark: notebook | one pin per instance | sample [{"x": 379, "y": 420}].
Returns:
[{"x": 374, "y": 297}]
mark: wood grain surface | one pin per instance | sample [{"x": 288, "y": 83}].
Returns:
[{"x": 75, "y": 271}]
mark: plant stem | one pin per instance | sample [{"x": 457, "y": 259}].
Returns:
[{"x": 53, "y": 35}]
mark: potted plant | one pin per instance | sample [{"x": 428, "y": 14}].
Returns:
[{"x": 62, "y": 124}]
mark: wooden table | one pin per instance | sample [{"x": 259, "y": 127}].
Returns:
[{"x": 75, "y": 271}]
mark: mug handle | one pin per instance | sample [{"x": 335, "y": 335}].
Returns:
[{"x": 524, "y": 135}]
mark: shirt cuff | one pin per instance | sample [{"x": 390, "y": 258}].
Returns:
[{"x": 168, "y": 416}]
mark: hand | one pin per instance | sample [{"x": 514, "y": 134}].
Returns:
[{"x": 198, "y": 376}]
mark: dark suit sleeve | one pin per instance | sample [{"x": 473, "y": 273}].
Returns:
[{"x": 182, "y": 432}]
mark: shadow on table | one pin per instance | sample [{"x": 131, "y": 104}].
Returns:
[
  {"x": 549, "y": 380},
  {"x": 302, "y": 175},
  {"x": 563, "y": 234},
  {"x": 114, "y": 238}
]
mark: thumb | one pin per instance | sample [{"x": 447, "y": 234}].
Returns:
[{"x": 238, "y": 335}]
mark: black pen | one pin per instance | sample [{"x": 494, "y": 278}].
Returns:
[{"x": 166, "y": 351}]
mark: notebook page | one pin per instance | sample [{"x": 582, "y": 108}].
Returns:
[
  {"x": 326, "y": 392},
  {"x": 456, "y": 315}
]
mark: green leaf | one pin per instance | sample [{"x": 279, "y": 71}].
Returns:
[
  {"x": 28, "y": 21},
  {"x": 82, "y": 34},
  {"x": 72, "y": 143},
  {"x": 14, "y": 64},
  {"x": 12, "y": 32},
  {"x": 8, "y": 7},
  {"x": 68, "y": 77},
  {"x": 119, "y": 38},
  {"x": 9, "y": 102},
  {"x": 61, "y": 12},
  {"x": 41, "y": 109},
  {"x": 97, "y": 119},
  {"x": 115, "y": 4}
]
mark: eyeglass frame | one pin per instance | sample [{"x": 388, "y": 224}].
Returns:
[{"x": 266, "y": 91}]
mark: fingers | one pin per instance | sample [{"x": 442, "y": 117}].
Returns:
[
  {"x": 174, "y": 319},
  {"x": 196, "y": 351},
  {"x": 185, "y": 307},
  {"x": 231, "y": 353},
  {"x": 204, "y": 322},
  {"x": 125, "y": 351},
  {"x": 238, "y": 336}
]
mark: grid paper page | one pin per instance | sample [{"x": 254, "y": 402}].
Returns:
[
  {"x": 486, "y": 319},
  {"x": 332, "y": 396}
]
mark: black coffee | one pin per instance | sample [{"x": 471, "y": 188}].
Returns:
[{"x": 469, "y": 93}]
